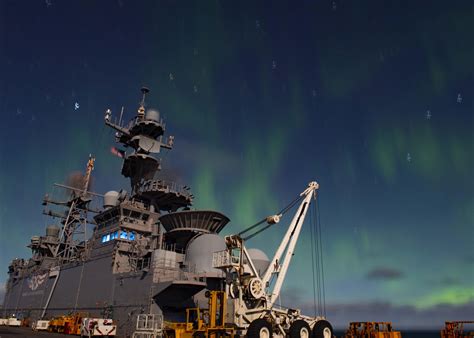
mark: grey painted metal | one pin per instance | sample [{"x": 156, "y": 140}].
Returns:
[
  {"x": 200, "y": 250},
  {"x": 259, "y": 259},
  {"x": 135, "y": 261}
]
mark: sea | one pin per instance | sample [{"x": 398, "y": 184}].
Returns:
[{"x": 406, "y": 334}]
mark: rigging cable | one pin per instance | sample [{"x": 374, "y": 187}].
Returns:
[
  {"x": 282, "y": 212},
  {"x": 321, "y": 256},
  {"x": 312, "y": 259},
  {"x": 257, "y": 232},
  {"x": 317, "y": 257}
]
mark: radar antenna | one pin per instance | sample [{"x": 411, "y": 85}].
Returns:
[
  {"x": 87, "y": 177},
  {"x": 141, "y": 109}
]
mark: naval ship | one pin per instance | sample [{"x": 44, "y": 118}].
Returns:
[
  {"x": 151, "y": 253},
  {"x": 148, "y": 252}
]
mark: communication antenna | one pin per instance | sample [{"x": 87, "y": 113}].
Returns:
[
  {"x": 87, "y": 177},
  {"x": 120, "y": 119},
  {"x": 141, "y": 110}
]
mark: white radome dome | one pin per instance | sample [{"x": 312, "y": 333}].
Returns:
[
  {"x": 111, "y": 199},
  {"x": 259, "y": 259},
  {"x": 200, "y": 250}
]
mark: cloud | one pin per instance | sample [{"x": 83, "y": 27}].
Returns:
[{"x": 384, "y": 273}]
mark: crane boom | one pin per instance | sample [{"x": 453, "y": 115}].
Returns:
[{"x": 277, "y": 265}]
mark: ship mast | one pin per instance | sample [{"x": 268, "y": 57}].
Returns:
[
  {"x": 73, "y": 234},
  {"x": 87, "y": 177},
  {"x": 144, "y": 135}
]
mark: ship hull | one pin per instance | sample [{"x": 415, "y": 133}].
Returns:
[{"x": 89, "y": 287}]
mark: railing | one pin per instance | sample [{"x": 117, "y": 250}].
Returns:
[
  {"x": 223, "y": 259},
  {"x": 149, "y": 326},
  {"x": 169, "y": 269},
  {"x": 158, "y": 184}
]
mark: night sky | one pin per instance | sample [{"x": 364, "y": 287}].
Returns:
[{"x": 372, "y": 99}]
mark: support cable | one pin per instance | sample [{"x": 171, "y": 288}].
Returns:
[
  {"x": 282, "y": 212},
  {"x": 317, "y": 258},
  {"x": 252, "y": 227},
  {"x": 257, "y": 232},
  {"x": 321, "y": 255},
  {"x": 312, "y": 260}
]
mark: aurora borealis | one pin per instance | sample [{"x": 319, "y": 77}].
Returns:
[{"x": 263, "y": 97}]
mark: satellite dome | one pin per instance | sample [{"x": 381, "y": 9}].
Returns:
[
  {"x": 259, "y": 259},
  {"x": 52, "y": 230},
  {"x": 153, "y": 115},
  {"x": 199, "y": 253},
  {"x": 110, "y": 199}
]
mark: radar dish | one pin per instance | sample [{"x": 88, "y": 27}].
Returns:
[
  {"x": 148, "y": 144},
  {"x": 197, "y": 220}
]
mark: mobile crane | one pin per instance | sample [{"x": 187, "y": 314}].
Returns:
[{"x": 252, "y": 297}]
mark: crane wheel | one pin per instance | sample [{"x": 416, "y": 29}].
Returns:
[
  {"x": 260, "y": 328},
  {"x": 322, "y": 329},
  {"x": 300, "y": 329},
  {"x": 170, "y": 334}
]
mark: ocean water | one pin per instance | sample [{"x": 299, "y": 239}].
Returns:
[
  {"x": 407, "y": 334},
  {"x": 420, "y": 334}
]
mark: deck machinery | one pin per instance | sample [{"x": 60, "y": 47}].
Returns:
[
  {"x": 148, "y": 252},
  {"x": 457, "y": 329},
  {"x": 371, "y": 330}
]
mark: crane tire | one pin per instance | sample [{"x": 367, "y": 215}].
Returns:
[
  {"x": 199, "y": 335},
  {"x": 300, "y": 329},
  {"x": 259, "y": 328},
  {"x": 322, "y": 329}
]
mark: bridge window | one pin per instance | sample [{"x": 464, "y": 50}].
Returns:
[
  {"x": 105, "y": 238},
  {"x": 123, "y": 234}
]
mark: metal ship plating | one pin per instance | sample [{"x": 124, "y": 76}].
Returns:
[{"x": 150, "y": 253}]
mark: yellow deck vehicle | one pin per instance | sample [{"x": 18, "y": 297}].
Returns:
[
  {"x": 371, "y": 330},
  {"x": 455, "y": 329},
  {"x": 202, "y": 323},
  {"x": 70, "y": 324},
  {"x": 57, "y": 324}
]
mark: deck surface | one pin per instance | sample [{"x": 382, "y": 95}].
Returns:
[{"x": 26, "y": 332}]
